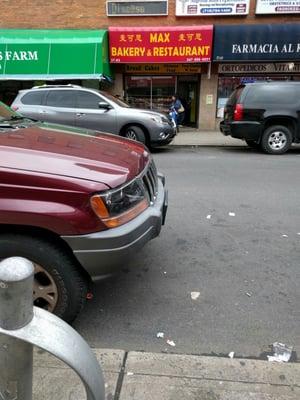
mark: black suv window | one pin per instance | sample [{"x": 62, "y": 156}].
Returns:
[
  {"x": 235, "y": 95},
  {"x": 35, "y": 98},
  {"x": 273, "y": 94},
  {"x": 87, "y": 100},
  {"x": 61, "y": 98}
]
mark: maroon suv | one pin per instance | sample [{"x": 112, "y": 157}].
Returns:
[{"x": 76, "y": 203}]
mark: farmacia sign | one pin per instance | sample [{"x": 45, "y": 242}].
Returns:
[
  {"x": 267, "y": 48},
  {"x": 269, "y": 42}
]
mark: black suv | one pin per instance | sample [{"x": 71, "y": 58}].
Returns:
[{"x": 266, "y": 115}]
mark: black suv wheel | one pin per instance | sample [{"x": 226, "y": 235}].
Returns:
[{"x": 277, "y": 139}]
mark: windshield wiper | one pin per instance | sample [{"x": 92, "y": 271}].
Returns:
[
  {"x": 15, "y": 118},
  {"x": 3, "y": 125}
]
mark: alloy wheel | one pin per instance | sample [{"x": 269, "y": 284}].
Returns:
[
  {"x": 277, "y": 140},
  {"x": 45, "y": 292},
  {"x": 130, "y": 134}
]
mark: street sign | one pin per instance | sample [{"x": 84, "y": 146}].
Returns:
[{"x": 136, "y": 8}]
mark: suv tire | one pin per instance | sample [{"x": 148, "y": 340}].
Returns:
[
  {"x": 135, "y": 133},
  {"x": 277, "y": 139},
  {"x": 58, "y": 285}
]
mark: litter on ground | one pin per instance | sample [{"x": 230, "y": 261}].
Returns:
[
  {"x": 171, "y": 343},
  {"x": 231, "y": 214},
  {"x": 282, "y": 352},
  {"x": 231, "y": 354},
  {"x": 160, "y": 335},
  {"x": 129, "y": 373},
  {"x": 249, "y": 294},
  {"x": 195, "y": 295},
  {"x": 208, "y": 216},
  {"x": 284, "y": 235}
]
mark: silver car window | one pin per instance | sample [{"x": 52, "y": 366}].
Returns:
[
  {"x": 88, "y": 100},
  {"x": 61, "y": 98},
  {"x": 35, "y": 98}
]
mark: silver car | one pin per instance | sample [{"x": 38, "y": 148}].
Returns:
[{"x": 94, "y": 109}]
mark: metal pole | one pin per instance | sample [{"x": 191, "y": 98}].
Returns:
[{"x": 16, "y": 311}]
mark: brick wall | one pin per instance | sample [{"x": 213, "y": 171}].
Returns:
[{"x": 91, "y": 14}]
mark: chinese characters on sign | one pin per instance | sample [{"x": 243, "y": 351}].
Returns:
[
  {"x": 159, "y": 45},
  {"x": 211, "y": 7},
  {"x": 277, "y": 7},
  {"x": 136, "y": 8}
]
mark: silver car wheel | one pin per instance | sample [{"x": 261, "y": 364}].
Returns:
[
  {"x": 277, "y": 140},
  {"x": 130, "y": 134}
]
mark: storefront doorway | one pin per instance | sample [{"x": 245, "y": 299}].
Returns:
[
  {"x": 155, "y": 92},
  {"x": 188, "y": 91}
]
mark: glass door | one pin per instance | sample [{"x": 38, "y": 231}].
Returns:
[
  {"x": 188, "y": 92},
  {"x": 163, "y": 88}
]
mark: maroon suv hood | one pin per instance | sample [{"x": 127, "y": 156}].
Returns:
[{"x": 65, "y": 151}]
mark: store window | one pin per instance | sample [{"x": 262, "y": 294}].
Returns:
[{"x": 152, "y": 93}]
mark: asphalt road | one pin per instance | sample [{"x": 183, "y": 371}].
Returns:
[{"x": 245, "y": 265}]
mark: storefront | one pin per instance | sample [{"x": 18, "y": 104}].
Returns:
[
  {"x": 155, "y": 63},
  {"x": 29, "y": 57},
  {"x": 251, "y": 53}
]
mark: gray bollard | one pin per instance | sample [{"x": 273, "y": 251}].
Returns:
[
  {"x": 23, "y": 326},
  {"x": 16, "y": 311}
]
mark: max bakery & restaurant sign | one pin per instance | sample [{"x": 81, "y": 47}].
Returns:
[
  {"x": 257, "y": 42},
  {"x": 161, "y": 45}
]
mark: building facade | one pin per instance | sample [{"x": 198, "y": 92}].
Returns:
[{"x": 200, "y": 49}]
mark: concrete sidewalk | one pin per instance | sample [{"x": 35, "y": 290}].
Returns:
[
  {"x": 194, "y": 137},
  {"x": 152, "y": 376}
]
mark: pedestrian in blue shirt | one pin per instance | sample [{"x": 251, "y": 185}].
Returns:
[{"x": 178, "y": 110}]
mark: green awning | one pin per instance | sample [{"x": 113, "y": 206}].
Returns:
[{"x": 53, "y": 54}]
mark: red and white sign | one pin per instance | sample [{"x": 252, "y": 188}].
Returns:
[{"x": 184, "y": 44}]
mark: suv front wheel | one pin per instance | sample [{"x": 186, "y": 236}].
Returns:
[
  {"x": 277, "y": 139},
  {"x": 58, "y": 286}
]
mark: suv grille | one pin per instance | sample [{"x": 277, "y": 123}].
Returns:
[{"x": 151, "y": 181}]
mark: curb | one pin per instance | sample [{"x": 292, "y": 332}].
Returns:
[{"x": 158, "y": 376}]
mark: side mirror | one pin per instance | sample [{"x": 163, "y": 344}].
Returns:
[{"x": 104, "y": 106}]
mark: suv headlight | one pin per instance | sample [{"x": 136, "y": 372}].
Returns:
[
  {"x": 116, "y": 207},
  {"x": 159, "y": 120}
]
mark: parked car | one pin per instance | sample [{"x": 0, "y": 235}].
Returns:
[
  {"x": 266, "y": 115},
  {"x": 94, "y": 109},
  {"x": 77, "y": 203}
]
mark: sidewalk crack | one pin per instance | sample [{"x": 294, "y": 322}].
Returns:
[
  {"x": 121, "y": 377},
  {"x": 197, "y": 378}
]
